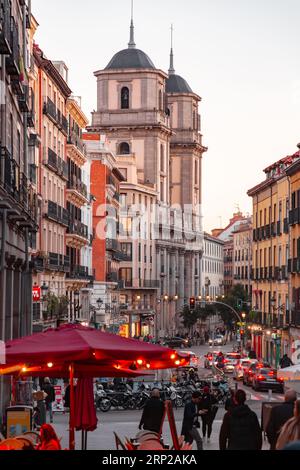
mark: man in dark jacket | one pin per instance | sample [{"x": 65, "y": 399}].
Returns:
[
  {"x": 190, "y": 421},
  {"x": 49, "y": 389},
  {"x": 279, "y": 416},
  {"x": 152, "y": 413},
  {"x": 240, "y": 429}
]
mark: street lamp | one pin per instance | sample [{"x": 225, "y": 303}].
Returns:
[
  {"x": 44, "y": 290},
  {"x": 76, "y": 303}
]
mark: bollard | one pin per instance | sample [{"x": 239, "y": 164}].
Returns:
[{"x": 269, "y": 395}]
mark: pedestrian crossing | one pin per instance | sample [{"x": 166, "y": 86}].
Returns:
[{"x": 264, "y": 397}]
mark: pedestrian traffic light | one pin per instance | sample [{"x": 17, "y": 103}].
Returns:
[{"x": 192, "y": 303}]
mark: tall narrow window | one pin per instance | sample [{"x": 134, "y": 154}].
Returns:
[
  {"x": 162, "y": 158},
  {"x": 124, "y": 98},
  {"x": 160, "y": 100}
]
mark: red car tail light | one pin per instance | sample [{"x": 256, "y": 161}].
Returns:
[
  {"x": 260, "y": 377},
  {"x": 280, "y": 379}
]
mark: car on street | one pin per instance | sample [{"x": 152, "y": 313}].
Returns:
[
  {"x": 218, "y": 340},
  {"x": 177, "y": 342},
  {"x": 240, "y": 367},
  {"x": 266, "y": 378},
  {"x": 210, "y": 359},
  {"x": 230, "y": 361},
  {"x": 194, "y": 360},
  {"x": 249, "y": 373}
]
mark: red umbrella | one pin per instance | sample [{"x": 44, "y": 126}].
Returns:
[
  {"x": 85, "y": 418},
  {"x": 81, "y": 345},
  {"x": 79, "y": 351}
]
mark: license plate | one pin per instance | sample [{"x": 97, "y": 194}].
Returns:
[{"x": 271, "y": 380}]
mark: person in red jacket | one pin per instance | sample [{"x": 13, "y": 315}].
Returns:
[{"x": 49, "y": 439}]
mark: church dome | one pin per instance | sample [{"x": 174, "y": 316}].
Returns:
[
  {"x": 177, "y": 84},
  {"x": 130, "y": 58}
]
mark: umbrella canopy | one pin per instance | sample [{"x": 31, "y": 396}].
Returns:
[
  {"x": 290, "y": 373},
  {"x": 90, "y": 348}
]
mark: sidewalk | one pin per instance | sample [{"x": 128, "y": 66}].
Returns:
[{"x": 103, "y": 437}]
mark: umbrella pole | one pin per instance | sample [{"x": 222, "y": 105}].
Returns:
[
  {"x": 71, "y": 426},
  {"x": 85, "y": 441}
]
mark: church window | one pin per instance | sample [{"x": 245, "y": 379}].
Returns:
[
  {"x": 124, "y": 149},
  {"x": 125, "y": 98}
]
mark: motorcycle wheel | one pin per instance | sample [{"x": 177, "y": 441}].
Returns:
[
  {"x": 105, "y": 405},
  {"x": 132, "y": 404},
  {"x": 179, "y": 402}
]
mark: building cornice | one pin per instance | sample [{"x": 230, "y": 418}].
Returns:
[
  {"x": 77, "y": 113},
  {"x": 48, "y": 67}
]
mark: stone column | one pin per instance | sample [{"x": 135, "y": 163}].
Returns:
[{"x": 181, "y": 282}]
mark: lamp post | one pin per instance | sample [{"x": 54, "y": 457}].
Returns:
[
  {"x": 44, "y": 290},
  {"x": 76, "y": 304}
]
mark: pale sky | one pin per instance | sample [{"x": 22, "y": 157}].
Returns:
[{"x": 241, "y": 56}]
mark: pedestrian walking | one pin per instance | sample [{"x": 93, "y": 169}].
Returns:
[
  {"x": 279, "y": 416},
  {"x": 190, "y": 424},
  {"x": 285, "y": 361},
  {"x": 208, "y": 404},
  {"x": 240, "y": 429},
  {"x": 49, "y": 389},
  {"x": 290, "y": 431},
  {"x": 153, "y": 413}
]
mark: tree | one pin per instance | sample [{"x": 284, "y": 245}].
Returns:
[
  {"x": 189, "y": 317},
  {"x": 236, "y": 294},
  {"x": 57, "y": 307}
]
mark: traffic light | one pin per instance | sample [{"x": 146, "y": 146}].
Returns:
[
  {"x": 239, "y": 304},
  {"x": 192, "y": 303}
]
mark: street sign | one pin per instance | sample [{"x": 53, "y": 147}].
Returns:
[{"x": 36, "y": 294}]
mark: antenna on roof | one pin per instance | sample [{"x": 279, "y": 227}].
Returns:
[{"x": 131, "y": 44}]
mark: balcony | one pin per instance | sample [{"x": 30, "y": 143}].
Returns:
[
  {"x": 80, "y": 273},
  {"x": 38, "y": 263},
  {"x": 121, "y": 256},
  {"x": 23, "y": 99},
  {"x": 285, "y": 225},
  {"x": 112, "y": 277},
  {"x": 112, "y": 245},
  {"x": 57, "y": 213},
  {"x": 273, "y": 229},
  {"x": 53, "y": 261},
  {"x": 50, "y": 109},
  {"x": 12, "y": 61},
  {"x": 77, "y": 190},
  {"x": 268, "y": 231},
  {"x": 65, "y": 125},
  {"x": 76, "y": 141},
  {"x": 55, "y": 163},
  {"x": 78, "y": 229},
  {"x": 10, "y": 179},
  {"x": 5, "y": 31}
]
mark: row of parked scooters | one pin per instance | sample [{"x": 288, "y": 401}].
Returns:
[{"x": 124, "y": 397}]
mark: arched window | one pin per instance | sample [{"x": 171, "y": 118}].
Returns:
[
  {"x": 125, "y": 98},
  {"x": 124, "y": 148}
]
